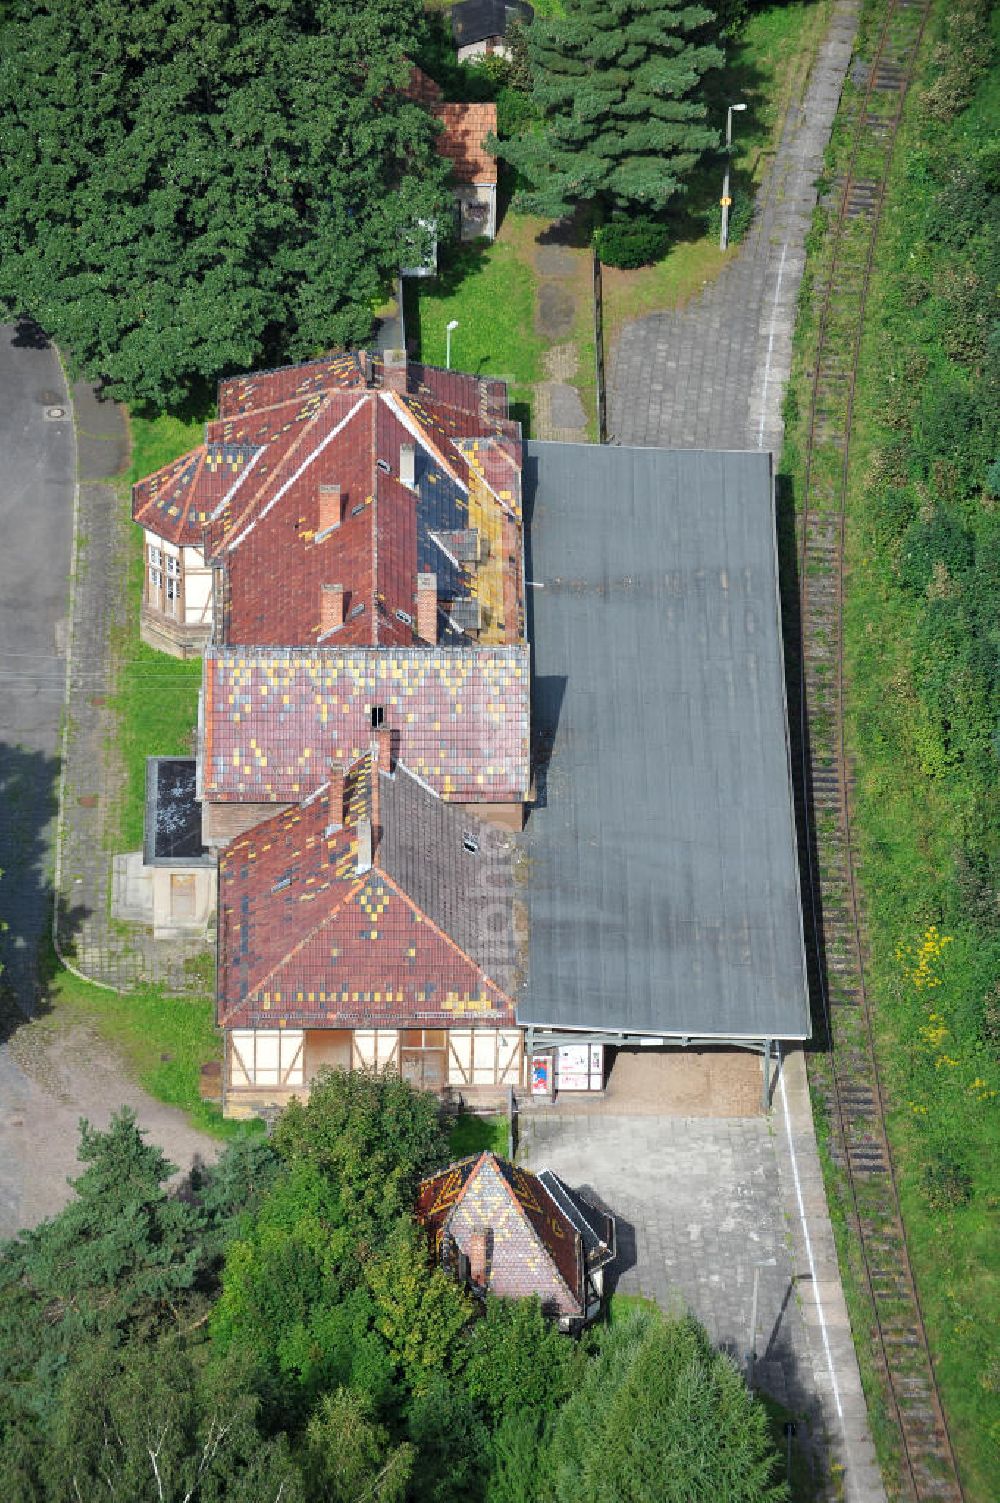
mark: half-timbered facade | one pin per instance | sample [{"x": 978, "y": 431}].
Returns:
[{"x": 370, "y": 925}]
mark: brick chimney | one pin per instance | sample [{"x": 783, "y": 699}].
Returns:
[
  {"x": 477, "y": 1259},
  {"x": 427, "y": 608},
  {"x": 394, "y": 370},
  {"x": 336, "y": 799},
  {"x": 331, "y": 607},
  {"x": 330, "y": 512},
  {"x": 408, "y": 464}
]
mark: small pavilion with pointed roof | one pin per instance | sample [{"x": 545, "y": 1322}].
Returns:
[{"x": 505, "y": 1231}]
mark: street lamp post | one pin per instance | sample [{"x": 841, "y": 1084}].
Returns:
[
  {"x": 752, "y": 1345},
  {"x": 452, "y": 324},
  {"x": 726, "y": 200}
]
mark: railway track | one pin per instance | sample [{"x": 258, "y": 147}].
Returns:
[{"x": 846, "y": 1077}]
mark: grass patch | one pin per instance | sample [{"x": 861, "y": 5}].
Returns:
[
  {"x": 478, "y": 1135},
  {"x": 926, "y": 814},
  {"x": 163, "y": 1040},
  {"x": 490, "y": 290},
  {"x": 618, "y": 1306},
  {"x": 156, "y": 696}
]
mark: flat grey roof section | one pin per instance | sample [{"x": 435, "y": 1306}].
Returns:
[{"x": 662, "y": 876}]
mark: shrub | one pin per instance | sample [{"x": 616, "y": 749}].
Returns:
[
  {"x": 740, "y": 216},
  {"x": 515, "y": 111},
  {"x": 629, "y": 243}
]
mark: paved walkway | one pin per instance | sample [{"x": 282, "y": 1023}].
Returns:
[
  {"x": 558, "y": 410},
  {"x": 711, "y": 375},
  {"x": 36, "y": 525},
  {"x": 100, "y": 948},
  {"x": 701, "y": 1201}
]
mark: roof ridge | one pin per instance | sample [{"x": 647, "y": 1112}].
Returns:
[
  {"x": 420, "y": 433},
  {"x": 531, "y": 1226},
  {"x": 228, "y": 542}
]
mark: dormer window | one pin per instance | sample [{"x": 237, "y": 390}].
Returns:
[{"x": 378, "y": 717}]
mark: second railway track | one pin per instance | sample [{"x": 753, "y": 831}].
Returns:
[{"x": 849, "y": 1082}]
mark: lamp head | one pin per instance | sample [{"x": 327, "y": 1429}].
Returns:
[
  {"x": 737, "y": 106},
  {"x": 452, "y": 324}
]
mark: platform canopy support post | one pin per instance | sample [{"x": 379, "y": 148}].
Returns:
[{"x": 765, "y": 1091}]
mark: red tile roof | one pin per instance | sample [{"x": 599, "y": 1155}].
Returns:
[
  {"x": 314, "y": 932},
  {"x": 421, "y": 88},
  {"x": 253, "y": 491},
  {"x": 532, "y": 1246},
  {"x": 274, "y": 718},
  {"x": 464, "y": 129}
]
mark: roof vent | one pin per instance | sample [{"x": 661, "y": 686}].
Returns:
[
  {"x": 470, "y": 844},
  {"x": 467, "y": 614},
  {"x": 383, "y": 465}
]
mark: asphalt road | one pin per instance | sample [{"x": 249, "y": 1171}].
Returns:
[{"x": 37, "y": 477}]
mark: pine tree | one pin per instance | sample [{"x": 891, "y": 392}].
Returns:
[{"x": 616, "y": 83}]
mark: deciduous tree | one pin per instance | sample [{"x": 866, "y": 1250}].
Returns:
[{"x": 191, "y": 189}]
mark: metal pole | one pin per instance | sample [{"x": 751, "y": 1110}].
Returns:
[
  {"x": 724, "y": 237},
  {"x": 752, "y": 1347},
  {"x": 765, "y": 1092},
  {"x": 447, "y": 348}
]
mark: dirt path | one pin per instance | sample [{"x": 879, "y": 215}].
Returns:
[
  {"x": 49, "y": 1079},
  {"x": 559, "y": 412}
]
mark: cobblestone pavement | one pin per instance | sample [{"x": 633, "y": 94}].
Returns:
[
  {"x": 711, "y": 375},
  {"x": 700, "y": 1202},
  {"x": 100, "y": 948}
]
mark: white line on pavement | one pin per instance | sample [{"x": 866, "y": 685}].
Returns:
[
  {"x": 770, "y": 348},
  {"x": 808, "y": 1239}
]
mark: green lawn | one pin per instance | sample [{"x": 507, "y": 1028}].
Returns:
[
  {"x": 163, "y": 1040},
  {"x": 478, "y": 1135},
  {"x": 490, "y": 291}
]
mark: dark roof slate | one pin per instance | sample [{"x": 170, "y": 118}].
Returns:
[
  {"x": 663, "y": 890},
  {"x": 311, "y": 936}
]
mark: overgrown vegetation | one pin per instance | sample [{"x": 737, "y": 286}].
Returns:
[
  {"x": 277, "y": 1330},
  {"x": 923, "y": 659}
]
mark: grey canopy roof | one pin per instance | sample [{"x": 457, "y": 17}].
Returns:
[{"x": 661, "y": 868}]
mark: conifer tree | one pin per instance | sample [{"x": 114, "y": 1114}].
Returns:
[{"x": 616, "y": 83}]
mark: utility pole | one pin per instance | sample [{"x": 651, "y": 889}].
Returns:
[
  {"x": 752, "y": 1345},
  {"x": 726, "y": 199}
]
